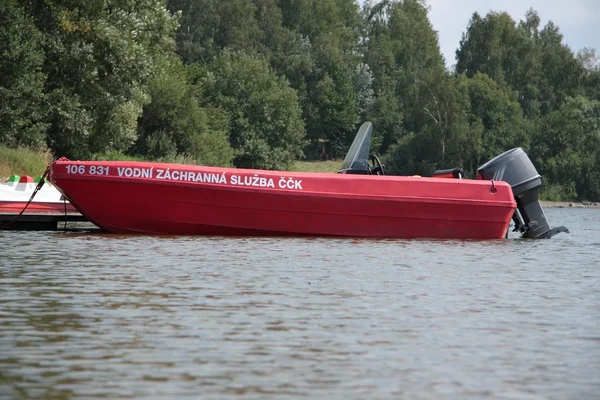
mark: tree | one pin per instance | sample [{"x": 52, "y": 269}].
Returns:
[
  {"x": 566, "y": 149},
  {"x": 99, "y": 57},
  {"x": 329, "y": 24},
  {"x": 449, "y": 139},
  {"x": 589, "y": 59},
  {"x": 501, "y": 117},
  {"x": 331, "y": 111},
  {"x": 491, "y": 46},
  {"x": 560, "y": 72},
  {"x": 209, "y": 26},
  {"x": 471, "y": 121},
  {"x": 265, "y": 117},
  {"x": 22, "y": 100},
  {"x": 403, "y": 52},
  {"x": 173, "y": 123},
  {"x": 590, "y": 62},
  {"x": 535, "y": 64},
  {"x": 326, "y": 70}
]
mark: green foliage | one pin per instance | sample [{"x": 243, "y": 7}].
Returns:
[
  {"x": 312, "y": 43},
  {"x": 419, "y": 110},
  {"x": 363, "y": 87},
  {"x": 488, "y": 46},
  {"x": 500, "y": 116},
  {"x": 386, "y": 115},
  {"x": 535, "y": 63},
  {"x": 265, "y": 118},
  {"x": 553, "y": 192},
  {"x": 292, "y": 57},
  {"x": 561, "y": 71},
  {"x": 260, "y": 83},
  {"x": 99, "y": 56},
  {"x": 22, "y": 100},
  {"x": 209, "y": 26},
  {"x": 173, "y": 123},
  {"x": 590, "y": 62},
  {"x": 567, "y": 148},
  {"x": 448, "y": 139},
  {"x": 332, "y": 109},
  {"x": 403, "y": 52},
  {"x": 71, "y": 125},
  {"x": 329, "y": 24},
  {"x": 334, "y": 86}
]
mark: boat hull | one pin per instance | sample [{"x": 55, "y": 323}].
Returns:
[{"x": 140, "y": 198}]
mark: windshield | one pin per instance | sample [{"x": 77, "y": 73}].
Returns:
[{"x": 357, "y": 158}]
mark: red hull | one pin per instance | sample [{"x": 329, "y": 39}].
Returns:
[{"x": 126, "y": 197}]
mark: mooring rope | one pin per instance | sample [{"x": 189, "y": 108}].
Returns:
[{"x": 66, "y": 217}]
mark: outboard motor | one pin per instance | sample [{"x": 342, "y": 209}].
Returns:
[{"x": 515, "y": 168}]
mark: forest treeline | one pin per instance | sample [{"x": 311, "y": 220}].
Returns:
[{"x": 261, "y": 83}]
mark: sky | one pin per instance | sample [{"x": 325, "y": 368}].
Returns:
[{"x": 578, "y": 20}]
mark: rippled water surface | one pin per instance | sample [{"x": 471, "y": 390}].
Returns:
[{"x": 86, "y": 315}]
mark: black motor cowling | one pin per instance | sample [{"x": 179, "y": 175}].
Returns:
[{"x": 515, "y": 168}]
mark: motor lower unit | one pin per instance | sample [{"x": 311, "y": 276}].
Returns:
[{"x": 515, "y": 168}]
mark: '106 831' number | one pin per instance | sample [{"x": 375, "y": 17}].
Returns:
[{"x": 91, "y": 169}]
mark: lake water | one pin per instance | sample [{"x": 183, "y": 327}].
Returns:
[{"x": 89, "y": 315}]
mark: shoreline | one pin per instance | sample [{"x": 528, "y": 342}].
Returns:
[{"x": 569, "y": 204}]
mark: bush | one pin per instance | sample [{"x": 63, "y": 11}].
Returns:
[
  {"x": 265, "y": 118},
  {"x": 174, "y": 126}
]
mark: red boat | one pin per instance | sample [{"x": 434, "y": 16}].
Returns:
[{"x": 359, "y": 201}]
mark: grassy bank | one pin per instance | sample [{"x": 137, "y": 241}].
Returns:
[
  {"x": 317, "y": 166},
  {"x": 33, "y": 163},
  {"x": 23, "y": 162},
  {"x": 28, "y": 162}
]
